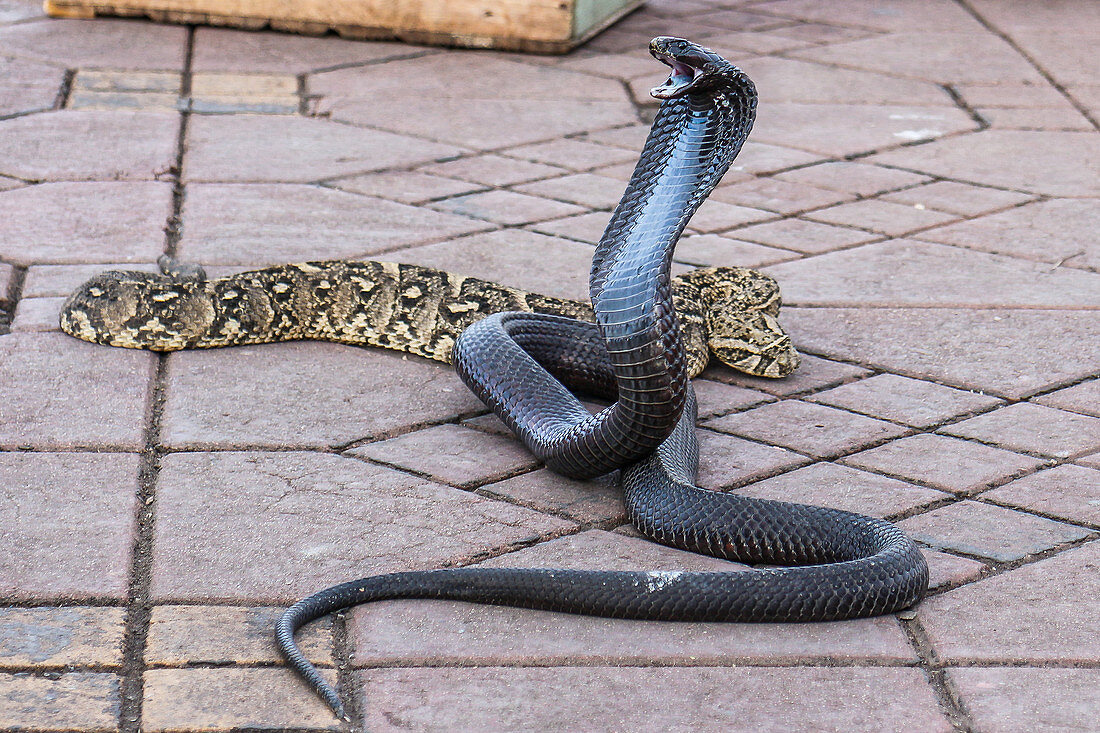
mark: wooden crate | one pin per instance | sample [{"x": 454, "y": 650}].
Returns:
[{"x": 536, "y": 26}]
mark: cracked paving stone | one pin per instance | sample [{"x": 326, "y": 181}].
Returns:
[
  {"x": 948, "y": 464},
  {"x": 1038, "y": 613},
  {"x": 1069, "y": 492},
  {"x": 598, "y": 500},
  {"x": 67, "y": 526},
  {"x": 989, "y": 531},
  {"x": 900, "y": 399},
  {"x": 53, "y": 637},
  {"x": 636, "y": 698},
  {"x": 1005, "y": 699},
  {"x": 84, "y": 701},
  {"x": 415, "y": 633},
  {"x": 1033, "y": 428},
  {"x": 219, "y": 515}
]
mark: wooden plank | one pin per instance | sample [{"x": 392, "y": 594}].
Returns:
[{"x": 539, "y": 26}]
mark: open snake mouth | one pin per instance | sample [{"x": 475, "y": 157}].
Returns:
[{"x": 678, "y": 55}]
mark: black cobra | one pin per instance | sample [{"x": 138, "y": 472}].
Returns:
[{"x": 524, "y": 365}]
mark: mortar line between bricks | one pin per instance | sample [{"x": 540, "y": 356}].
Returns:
[
  {"x": 947, "y": 696},
  {"x": 11, "y": 299}
]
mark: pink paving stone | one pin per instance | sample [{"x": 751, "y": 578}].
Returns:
[
  {"x": 452, "y": 454},
  {"x": 62, "y": 223},
  {"x": 716, "y": 398},
  {"x": 989, "y": 531},
  {"x": 5, "y": 280},
  {"x": 968, "y": 348},
  {"x": 1063, "y": 118},
  {"x": 841, "y": 487},
  {"x": 726, "y": 460},
  {"x": 957, "y": 198},
  {"x": 526, "y": 260},
  {"x": 586, "y": 189},
  {"x": 37, "y": 314},
  {"x": 506, "y": 207},
  {"x": 948, "y": 464},
  {"x": 84, "y": 701},
  {"x": 58, "y": 392},
  {"x": 16, "y": 10},
  {"x": 494, "y": 170},
  {"x": 716, "y": 216},
  {"x": 1033, "y": 428},
  {"x": 759, "y": 159},
  {"x": 1092, "y": 460},
  {"x": 933, "y": 15},
  {"x": 423, "y": 632},
  {"x": 1065, "y": 54},
  {"x": 295, "y": 149},
  {"x": 582, "y": 227},
  {"x": 810, "y": 237},
  {"x": 223, "y": 49},
  {"x": 89, "y": 145},
  {"x": 53, "y": 637},
  {"x": 1067, "y": 492},
  {"x": 790, "y": 80},
  {"x": 598, "y": 501},
  {"x": 68, "y": 523},
  {"x": 577, "y": 154},
  {"x": 900, "y": 399},
  {"x": 1055, "y": 231},
  {"x": 601, "y": 699},
  {"x": 814, "y": 429},
  {"x": 812, "y": 374},
  {"x": 1032, "y": 95},
  {"x": 857, "y": 178},
  {"x": 713, "y": 249},
  {"x": 262, "y": 224},
  {"x": 107, "y": 43},
  {"x": 759, "y": 42},
  {"x": 219, "y": 515},
  {"x": 46, "y": 281},
  {"x": 1041, "y": 612},
  {"x": 1083, "y": 397},
  {"x": 28, "y": 86},
  {"x": 630, "y": 137},
  {"x": 1056, "y": 164},
  {"x": 303, "y": 394},
  {"x": 881, "y": 216},
  {"x": 406, "y": 187},
  {"x": 783, "y": 197},
  {"x": 906, "y": 272},
  {"x": 945, "y": 569},
  {"x": 1006, "y": 699},
  {"x": 846, "y": 129},
  {"x": 944, "y": 58}
]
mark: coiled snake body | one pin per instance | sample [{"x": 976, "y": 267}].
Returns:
[{"x": 841, "y": 565}]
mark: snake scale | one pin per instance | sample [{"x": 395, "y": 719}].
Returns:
[{"x": 823, "y": 564}]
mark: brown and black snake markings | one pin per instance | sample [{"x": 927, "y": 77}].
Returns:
[{"x": 526, "y": 361}]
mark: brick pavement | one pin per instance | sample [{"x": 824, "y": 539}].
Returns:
[{"x": 923, "y": 181}]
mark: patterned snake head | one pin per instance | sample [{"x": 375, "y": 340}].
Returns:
[{"x": 694, "y": 69}]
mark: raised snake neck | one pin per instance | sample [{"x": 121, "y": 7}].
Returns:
[{"x": 850, "y": 565}]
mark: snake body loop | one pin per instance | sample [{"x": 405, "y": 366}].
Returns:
[{"x": 523, "y": 365}]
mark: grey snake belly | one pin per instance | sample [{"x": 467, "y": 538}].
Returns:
[{"x": 526, "y": 366}]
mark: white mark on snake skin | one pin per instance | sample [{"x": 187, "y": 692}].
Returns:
[
  {"x": 413, "y": 292},
  {"x": 660, "y": 579},
  {"x": 230, "y": 295},
  {"x": 95, "y": 292},
  {"x": 280, "y": 288},
  {"x": 165, "y": 297}
]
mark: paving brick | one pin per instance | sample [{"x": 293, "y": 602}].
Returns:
[
  {"x": 180, "y": 700},
  {"x": 1011, "y": 95},
  {"x": 53, "y": 637},
  {"x": 57, "y": 392},
  {"x": 804, "y": 236},
  {"x": 592, "y": 502},
  {"x": 1066, "y": 54},
  {"x": 846, "y": 129},
  {"x": 295, "y": 149},
  {"x": 1033, "y": 428},
  {"x": 1057, "y": 163},
  {"x": 1093, "y": 460},
  {"x": 222, "y": 49},
  {"x": 713, "y": 249},
  {"x": 1069, "y": 492},
  {"x": 12, "y": 11},
  {"x": 989, "y": 531},
  {"x": 948, "y": 464},
  {"x": 37, "y": 315},
  {"x": 759, "y": 159},
  {"x": 452, "y": 454},
  {"x": 637, "y": 698},
  {"x": 935, "y": 15},
  {"x": 52, "y": 281},
  {"x": 88, "y": 145},
  {"x": 107, "y": 43},
  {"x": 773, "y": 194},
  {"x": 1034, "y": 614},
  {"x": 218, "y": 514},
  {"x": 187, "y": 635},
  {"x": 856, "y": 178},
  {"x": 758, "y": 42},
  {"x": 85, "y": 701},
  {"x": 1083, "y": 397},
  {"x": 494, "y": 170},
  {"x": 910, "y": 401},
  {"x": 841, "y": 487},
  {"x": 815, "y": 429},
  {"x": 506, "y": 207},
  {"x": 67, "y": 526},
  {"x": 585, "y": 189},
  {"x": 945, "y": 569},
  {"x": 792, "y": 80},
  {"x": 1063, "y": 118},
  {"x": 302, "y": 223},
  {"x": 957, "y": 198},
  {"x": 716, "y": 216},
  {"x": 725, "y": 460},
  {"x": 84, "y": 222},
  {"x": 578, "y": 154},
  {"x": 1002, "y": 699},
  {"x": 716, "y": 398},
  {"x": 629, "y": 137},
  {"x": 5, "y": 280},
  {"x": 406, "y": 187},
  {"x": 303, "y": 395},
  {"x": 881, "y": 216},
  {"x": 508, "y": 257},
  {"x": 28, "y": 86},
  {"x": 970, "y": 348},
  {"x": 582, "y": 227},
  {"x": 812, "y": 374},
  {"x": 1055, "y": 231}
]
